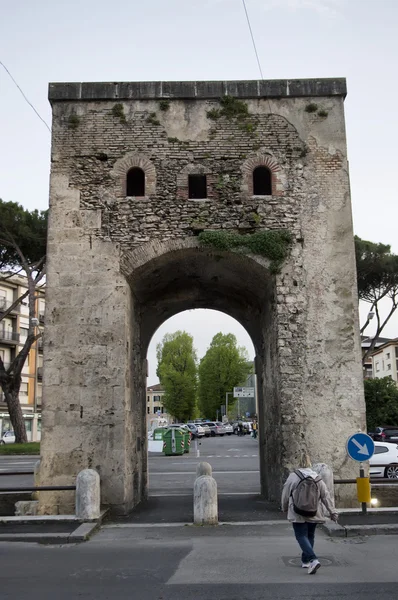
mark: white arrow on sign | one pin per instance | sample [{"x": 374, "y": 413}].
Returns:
[{"x": 361, "y": 449}]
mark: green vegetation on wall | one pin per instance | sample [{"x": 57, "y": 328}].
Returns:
[
  {"x": 73, "y": 121},
  {"x": 118, "y": 112},
  {"x": 233, "y": 109},
  {"x": 274, "y": 244}
]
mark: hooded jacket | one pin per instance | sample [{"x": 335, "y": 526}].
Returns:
[{"x": 287, "y": 501}]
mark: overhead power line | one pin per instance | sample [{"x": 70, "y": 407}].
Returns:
[
  {"x": 25, "y": 98},
  {"x": 252, "y": 36}
]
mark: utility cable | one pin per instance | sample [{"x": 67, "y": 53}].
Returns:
[
  {"x": 252, "y": 36},
  {"x": 30, "y": 104}
]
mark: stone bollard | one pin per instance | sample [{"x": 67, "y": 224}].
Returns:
[
  {"x": 205, "y": 501},
  {"x": 326, "y": 474},
  {"x": 88, "y": 495}
]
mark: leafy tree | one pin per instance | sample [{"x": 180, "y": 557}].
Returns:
[
  {"x": 224, "y": 366},
  {"x": 381, "y": 397},
  {"x": 177, "y": 371},
  {"x": 23, "y": 236},
  {"x": 377, "y": 277}
]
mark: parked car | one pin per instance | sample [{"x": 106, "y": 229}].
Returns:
[
  {"x": 216, "y": 428},
  {"x": 385, "y": 454},
  {"x": 206, "y": 429},
  {"x": 385, "y": 434},
  {"x": 196, "y": 430},
  {"x": 228, "y": 428},
  {"x": 8, "y": 438}
]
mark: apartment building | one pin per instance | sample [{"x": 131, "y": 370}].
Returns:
[
  {"x": 368, "y": 371},
  {"x": 154, "y": 403},
  {"x": 385, "y": 360},
  {"x": 13, "y": 333}
]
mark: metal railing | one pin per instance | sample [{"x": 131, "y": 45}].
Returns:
[
  {"x": 32, "y": 488},
  {"x": 5, "y": 304},
  {"x": 9, "y": 336},
  {"x": 38, "y": 488}
]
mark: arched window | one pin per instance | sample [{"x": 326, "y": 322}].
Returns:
[
  {"x": 135, "y": 182},
  {"x": 262, "y": 182}
]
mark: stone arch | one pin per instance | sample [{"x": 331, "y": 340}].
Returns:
[
  {"x": 262, "y": 160},
  {"x": 123, "y": 165}
]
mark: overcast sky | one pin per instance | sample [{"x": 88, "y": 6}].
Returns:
[{"x": 98, "y": 40}]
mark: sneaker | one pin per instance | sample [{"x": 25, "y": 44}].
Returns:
[
  {"x": 305, "y": 565},
  {"x": 314, "y": 566}
]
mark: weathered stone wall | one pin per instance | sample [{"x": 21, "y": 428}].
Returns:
[{"x": 119, "y": 267}]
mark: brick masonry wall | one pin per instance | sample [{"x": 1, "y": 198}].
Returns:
[{"x": 303, "y": 322}]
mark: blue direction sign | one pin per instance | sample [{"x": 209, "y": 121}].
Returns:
[{"x": 360, "y": 447}]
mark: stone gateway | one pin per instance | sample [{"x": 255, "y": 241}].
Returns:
[{"x": 138, "y": 172}]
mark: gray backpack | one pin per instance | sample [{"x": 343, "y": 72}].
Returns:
[{"x": 306, "y": 495}]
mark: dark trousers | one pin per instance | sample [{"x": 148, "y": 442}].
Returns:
[{"x": 305, "y": 535}]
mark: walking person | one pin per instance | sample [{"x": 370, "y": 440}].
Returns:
[
  {"x": 303, "y": 494},
  {"x": 254, "y": 427}
]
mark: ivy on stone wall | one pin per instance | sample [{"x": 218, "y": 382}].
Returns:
[
  {"x": 233, "y": 109},
  {"x": 273, "y": 244}
]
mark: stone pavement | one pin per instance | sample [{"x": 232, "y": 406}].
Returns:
[{"x": 228, "y": 562}]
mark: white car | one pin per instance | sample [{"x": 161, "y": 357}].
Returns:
[
  {"x": 385, "y": 454},
  {"x": 228, "y": 428},
  {"x": 8, "y": 438}
]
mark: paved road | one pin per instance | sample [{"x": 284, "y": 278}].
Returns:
[
  {"x": 235, "y": 467},
  {"x": 215, "y": 563},
  {"x": 234, "y": 460},
  {"x": 16, "y": 463}
]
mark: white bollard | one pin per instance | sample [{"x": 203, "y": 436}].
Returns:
[
  {"x": 326, "y": 474},
  {"x": 205, "y": 501},
  {"x": 88, "y": 495},
  {"x": 203, "y": 468}
]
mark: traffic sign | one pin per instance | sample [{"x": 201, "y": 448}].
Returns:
[
  {"x": 360, "y": 447},
  {"x": 243, "y": 392}
]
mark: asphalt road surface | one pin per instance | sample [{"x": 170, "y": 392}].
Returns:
[
  {"x": 234, "y": 460},
  {"x": 206, "y": 563},
  {"x": 16, "y": 463}
]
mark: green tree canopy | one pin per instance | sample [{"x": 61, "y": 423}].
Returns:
[
  {"x": 23, "y": 236},
  {"x": 23, "y": 233},
  {"x": 224, "y": 366},
  {"x": 381, "y": 397},
  {"x": 377, "y": 278},
  {"x": 177, "y": 372}
]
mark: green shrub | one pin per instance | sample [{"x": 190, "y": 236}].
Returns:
[
  {"x": 273, "y": 244},
  {"x": 311, "y": 108},
  {"x": 164, "y": 104},
  {"x": 73, "y": 121},
  {"x": 118, "y": 112}
]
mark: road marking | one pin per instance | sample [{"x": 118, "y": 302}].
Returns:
[
  {"x": 233, "y": 450},
  {"x": 190, "y": 495},
  {"x": 194, "y": 472}
]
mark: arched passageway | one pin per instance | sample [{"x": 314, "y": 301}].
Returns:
[{"x": 169, "y": 279}]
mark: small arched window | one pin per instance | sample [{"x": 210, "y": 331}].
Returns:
[
  {"x": 262, "y": 182},
  {"x": 135, "y": 182}
]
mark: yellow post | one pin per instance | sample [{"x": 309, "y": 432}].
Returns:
[{"x": 363, "y": 489}]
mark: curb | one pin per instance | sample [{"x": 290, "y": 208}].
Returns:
[
  {"x": 344, "y": 531},
  {"x": 83, "y": 531}
]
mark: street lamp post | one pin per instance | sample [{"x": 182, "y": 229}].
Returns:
[{"x": 226, "y": 403}]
